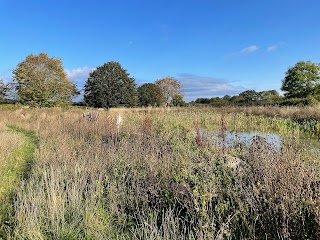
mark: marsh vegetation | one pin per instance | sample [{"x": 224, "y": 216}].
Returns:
[{"x": 159, "y": 175}]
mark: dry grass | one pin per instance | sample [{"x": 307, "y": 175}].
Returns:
[
  {"x": 10, "y": 141},
  {"x": 158, "y": 179},
  {"x": 12, "y": 165},
  {"x": 297, "y": 113}
]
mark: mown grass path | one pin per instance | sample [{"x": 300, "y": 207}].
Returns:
[{"x": 15, "y": 167}]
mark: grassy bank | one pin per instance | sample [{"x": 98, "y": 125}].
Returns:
[{"x": 160, "y": 178}]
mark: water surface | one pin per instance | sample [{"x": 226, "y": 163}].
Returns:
[{"x": 232, "y": 138}]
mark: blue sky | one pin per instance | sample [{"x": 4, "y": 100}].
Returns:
[{"x": 214, "y": 47}]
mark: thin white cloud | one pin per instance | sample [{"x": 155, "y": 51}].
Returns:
[
  {"x": 206, "y": 87},
  {"x": 79, "y": 73},
  {"x": 275, "y": 47},
  {"x": 249, "y": 49},
  {"x": 272, "y": 48},
  {"x": 243, "y": 51}
]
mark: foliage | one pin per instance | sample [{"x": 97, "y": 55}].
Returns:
[
  {"x": 7, "y": 92},
  {"x": 169, "y": 88},
  {"x": 149, "y": 94},
  {"x": 302, "y": 80},
  {"x": 42, "y": 81},
  {"x": 299, "y": 102},
  {"x": 110, "y": 86},
  {"x": 11, "y": 93},
  {"x": 236, "y": 100},
  {"x": 3, "y": 90},
  {"x": 219, "y": 102},
  {"x": 270, "y": 97},
  {"x": 161, "y": 177},
  {"x": 246, "y": 98},
  {"x": 203, "y": 100},
  {"x": 177, "y": 101},
  {"x": 250, "y": 96}
]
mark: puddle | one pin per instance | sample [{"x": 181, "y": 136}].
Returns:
[
  {"x": 232, "y": 138},
  {"x": 229, "y": 138}
]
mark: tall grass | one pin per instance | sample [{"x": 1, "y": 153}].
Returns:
[
  {"x": 159, "y": 178},
  {"x": 16, "y": 151},
  {"x": 9, "y": 172}
]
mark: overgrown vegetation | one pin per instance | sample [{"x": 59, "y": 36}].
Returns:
[{"x": 164, "y": 176}]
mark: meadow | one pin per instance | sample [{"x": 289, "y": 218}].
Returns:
[{"x": 162, "y": 175}]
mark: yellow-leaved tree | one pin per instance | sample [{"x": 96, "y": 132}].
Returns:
[
  {"x": 41, "y": 81},
  {"x": 170, "y": 88}
]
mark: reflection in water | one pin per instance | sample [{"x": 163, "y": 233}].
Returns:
[{"x": 231, "y": 138}]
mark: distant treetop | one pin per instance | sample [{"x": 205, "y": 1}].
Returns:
[
  {"x": 41, "y": 81},
  {"x": 302, "y": 80},
  {"x": 170, "y": 87},
  {"x": 110, "y": 86}
]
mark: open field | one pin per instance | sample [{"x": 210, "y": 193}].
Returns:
[{"x": 161, "y": 175}]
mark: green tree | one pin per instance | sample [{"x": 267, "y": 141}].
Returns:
[
  {"x": 177, "y": 101},
  {"x": 301, "y": 80},
  {"x": 236, "y": 100},
  {"x": 220, "y": 102},
  {"x": 41, "y": 81},
  {"x": 169, "y": 88},
  {"x": 110, "y": 86},
  {"x": 250, "y": 97},
  {"x": 203, "y": 100},
  {"x": 149, "y": 94},
  {"x": 269, "y": 97},
  {"x": 227, "y": 98}
]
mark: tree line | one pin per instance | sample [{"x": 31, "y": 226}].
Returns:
[
  {"x": 110, "y": 85},
  {"x": 301, "y": 87},
  {"x": 245, "y": 98},
  {"x": 41, "y": 81}
]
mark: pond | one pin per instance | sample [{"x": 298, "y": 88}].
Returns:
[{"x": 233, "y": 138}]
